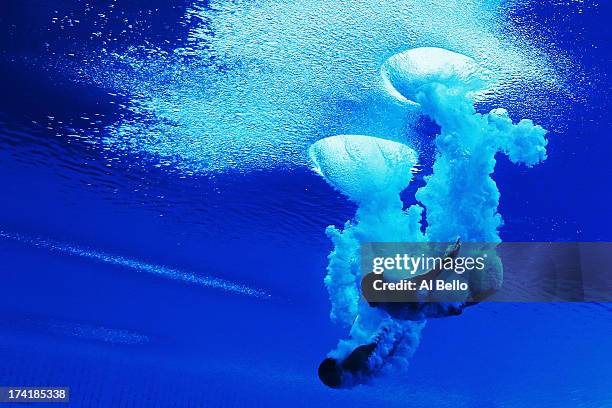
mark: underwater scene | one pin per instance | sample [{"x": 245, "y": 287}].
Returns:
[{"x": 199, "y": 192}]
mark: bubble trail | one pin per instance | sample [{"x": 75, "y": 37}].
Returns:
[
  {"x": 460, "y": 199},
  {"x": 159, "y": 270}
]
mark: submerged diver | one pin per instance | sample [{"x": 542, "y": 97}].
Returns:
[
  {"x": 417, "y": 307},
  {"x": 359, "y": 365},
  {"x": 332, "y": 371}
]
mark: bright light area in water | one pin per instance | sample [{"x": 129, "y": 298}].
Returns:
[{"x": 259, "y": 82}]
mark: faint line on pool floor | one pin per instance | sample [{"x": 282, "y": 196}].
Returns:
[{"x": 160, "y": 270}]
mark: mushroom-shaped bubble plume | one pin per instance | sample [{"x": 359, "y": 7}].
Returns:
[
  {"x": 460, "y": 196},
  {"x": 371, "y": 172},
  {"x": 364, "y": 168},
  {"x": 406, "y": 72}
]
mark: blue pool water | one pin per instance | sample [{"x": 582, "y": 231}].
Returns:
[{"x": 162, "y": 237}]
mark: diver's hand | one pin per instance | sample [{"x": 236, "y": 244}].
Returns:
[{"x": 453, "y": 250}]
